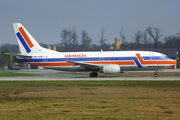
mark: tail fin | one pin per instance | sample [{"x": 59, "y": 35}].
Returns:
[{"x": 26, "y": 42}]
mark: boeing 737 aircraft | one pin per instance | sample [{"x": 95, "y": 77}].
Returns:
[{"x": 108, "y": 62}]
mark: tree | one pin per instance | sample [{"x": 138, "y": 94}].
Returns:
[
  {"x": 145, "y": 38},
  {"x": 178, "y": 34},
  {"x": 74, "y": 38},
  {"x": 138, "y": 37},
  {"x": 66, "y": 37},
  {"x": 86, "y": 40},
  {"x": 155, "y": 33},
  {"x": 102, "y": 40},
  {"x": 4, "y": 58},
  {"x": 122, "y": 36},
  {"x": 9, "y": 47},
  {"x": 170, "y": 41}
]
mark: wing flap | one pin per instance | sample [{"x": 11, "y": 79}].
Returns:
[{"x": 87, "y": 65}]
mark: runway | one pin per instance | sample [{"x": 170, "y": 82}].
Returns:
[
  {"x": 50, "y": 75},
  {"x": 90, "y": 79}
]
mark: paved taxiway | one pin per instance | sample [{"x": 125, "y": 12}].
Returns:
[{"x": 60, "y": 75}]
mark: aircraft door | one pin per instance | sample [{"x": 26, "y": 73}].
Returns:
[
  {"x": 151, "y": 58},
  {"x": 101, "y": 60},
  {"x": 45, "y": 60}
]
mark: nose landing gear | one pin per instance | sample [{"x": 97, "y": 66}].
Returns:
[{"x": 155, "y": 74}]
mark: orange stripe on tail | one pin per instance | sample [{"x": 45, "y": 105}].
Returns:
[{"x": 26, "y": 37}]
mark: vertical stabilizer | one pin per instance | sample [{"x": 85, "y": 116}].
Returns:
[{"x": 26, "y": 42}]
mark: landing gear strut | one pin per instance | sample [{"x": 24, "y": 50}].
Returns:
[
  {"x": 93, "y": 74},
  {"x": 155, "y": 74}
]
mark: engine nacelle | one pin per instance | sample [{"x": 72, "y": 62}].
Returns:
[{"x": 111, "y": 69}]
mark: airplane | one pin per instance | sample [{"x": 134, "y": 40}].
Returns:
[{"x": 107, "y": 62}]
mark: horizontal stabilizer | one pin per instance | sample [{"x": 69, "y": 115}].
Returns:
[{"x": 18, "y": 55}]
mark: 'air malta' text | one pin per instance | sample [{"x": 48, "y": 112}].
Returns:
[{"x": 75, "y": 55}]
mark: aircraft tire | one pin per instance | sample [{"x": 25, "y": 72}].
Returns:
[
  {"x": 93, "y": 74},
  {"x": 155, "y": 75}
]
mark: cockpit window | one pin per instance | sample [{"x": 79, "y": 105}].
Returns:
[{"x": 164, "y": 56}]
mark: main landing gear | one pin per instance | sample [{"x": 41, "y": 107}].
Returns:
[
  {"x": 93, "y": 74},
  {"x": 155, "y": 74}
]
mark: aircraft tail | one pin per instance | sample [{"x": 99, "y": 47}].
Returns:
[{"x": 26, "y": 42}]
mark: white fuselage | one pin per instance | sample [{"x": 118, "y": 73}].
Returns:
[{"x": 127, "y": 60}]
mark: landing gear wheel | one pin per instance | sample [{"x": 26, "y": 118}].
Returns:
[
  {"x": 93, "y": 74},
  {"x": 155, "y": 75}
]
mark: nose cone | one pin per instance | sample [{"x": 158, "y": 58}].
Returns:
[{"x": 173, "y": 62}]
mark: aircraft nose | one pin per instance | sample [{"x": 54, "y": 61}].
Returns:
[{"x": 174, "y": 62}]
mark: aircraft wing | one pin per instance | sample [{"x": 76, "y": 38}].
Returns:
[
  {"x": 19, "y": 55},
  {"x": 87, "y": 65}
]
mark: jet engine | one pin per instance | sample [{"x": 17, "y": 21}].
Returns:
[{"x": 110, "y": 69}]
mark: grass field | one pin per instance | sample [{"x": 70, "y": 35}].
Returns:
[{"x": 86, "y": 100}]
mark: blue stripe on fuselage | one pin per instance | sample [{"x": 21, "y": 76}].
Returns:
[
  {"x": 23, "y": 42},
  {"x": 137, "y": 63}
]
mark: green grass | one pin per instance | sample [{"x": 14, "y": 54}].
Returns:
[
  {"x": 84, "y": 100},
  {"x": 15, "y": 74},
  {"x": 87, "y": 84}
]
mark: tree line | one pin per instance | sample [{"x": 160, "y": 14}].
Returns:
[
  {"x": 150, "y": 38},
  {"x": 70, "y": 40}
]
